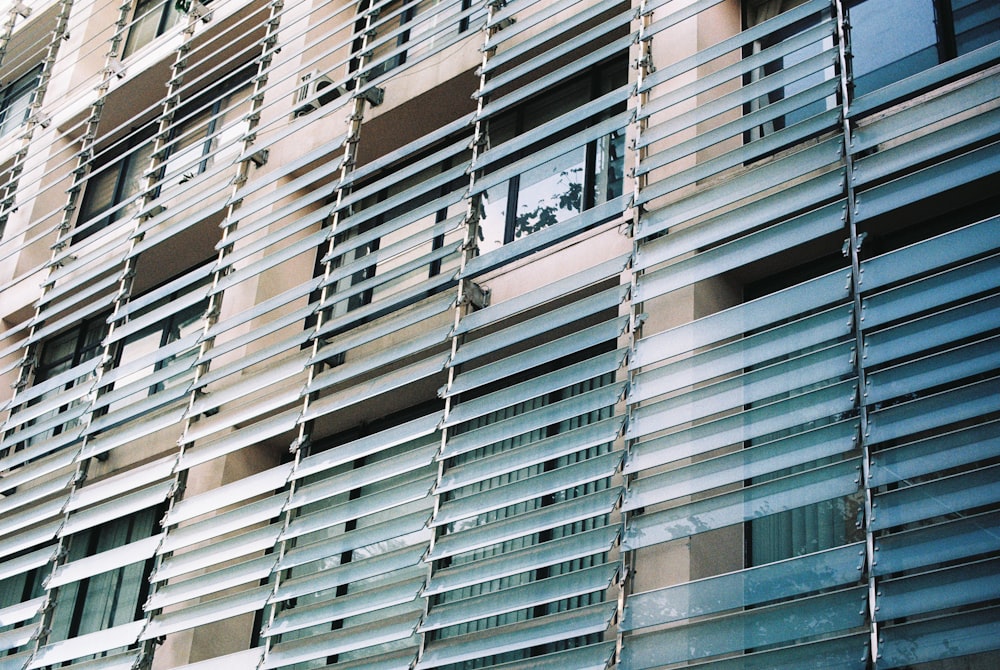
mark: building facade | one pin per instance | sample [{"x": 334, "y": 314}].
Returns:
[{"x": 520, "y": 334}]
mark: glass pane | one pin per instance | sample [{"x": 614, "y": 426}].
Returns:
[
  {"x": 891, "y": 40},
  {"x": 550, "y": 193},
  {"x": 977, "y": 23}
]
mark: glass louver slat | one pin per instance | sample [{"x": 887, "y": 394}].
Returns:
[
  {"x": 749, "y": 424},
  {"x": 832, "y": 363},
  {"x": 27, "y": 496},
  {"x": 573, "y": 406},
  {"x": 38, "y": 469},
  {"x": 846, "y": 652},
  {"x": 552, "y": 350},
  {"x": 144, "y": 407},
  {"x": 933, "y": 370},
  {"x": 522, "y": 21},
  {"x": 18, "y": 637},
  {"x": 750, "y": 629},
  {"x": 940, "y": 409},
  {"x": 522, "y": 490},
  {"x": 956, "y": 586},
  {"x": 103, "y": 512},
  {"x": 249, "y": 658},
  {"x": 550, "y": 291},
  {"x": 245, "y": 412},
  {"x": 229, "y": 494},
  {"x": 34, "y": 515},
  {"x": 84, "y": 645},
  {"x": 752, "y": 315},
  {"x": 355, "y": 571},
  {"x": 532, "y": 453},
  {"x": 823, "y": 570},
  {"x": 218, "y": 552},
  {"x": 532, "y": 557},
  {"x": 49, "y": 445},
  {"x": 273, "y": 258},
  {"x": 793, "y": 491},
  {"x": 743, "y": 353},
  {"x": 940, "y": 497},
  {"x": 949, "y": 540},
  {"x": 274, "y": 375},
  {"x": 26, "y": 540},
  {"x": 538, "y": 325},
  {"x": 348, "y": 541},
  {"x": 940, "y": 638},
  {"x": 381, "y": 384},
  {"x": 955, "y": 137},
  {"x": 559, "y": 514},
  {"x": 206, "y": 613},
  {"x": 899, "y": 123},
  {"x": 205, "y": 207},
  {"x": 238, "y": 574},
  {"x": 929, "y": 455},
  {"x": 939, "y": 251},
  {"x": 928, "y": 181},
  {"x": 21, "y": 611},
  {"x": 342, "y": 607},
  {"x": 114, "y": 486},
  {"x": 264, "y": 329},
  {"x": 551, "y": 628},
  {"x": 223, "y": 523},
  {"x": 729, "y": 256},
  {"x": 934, "y": 330},
  {"x": 568, "y": 585},
  {"x": 250, "y": 359},
  {"x": 755, "y": 461},
  {"x": 263, "y": 429},
  {"x": 340, "y": 641},
  {"x": 104, "y": 561},
  {"x": 149, "y": 360}
]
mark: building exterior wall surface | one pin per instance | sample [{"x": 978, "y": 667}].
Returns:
[{"x": 519, "y": 334}]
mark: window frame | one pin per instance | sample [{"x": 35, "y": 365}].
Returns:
[{"x": 22, "y": 88}]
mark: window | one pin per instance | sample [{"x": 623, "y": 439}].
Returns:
[
  {"x": 757, "y": 13},
  {"x": 57, "y": 356},
  {"x": 110, "y": 598},
  {"x": 14, "y": 590},
  {"x": 137, "y": 353},
  {"x": 115, "y": 183},
  {"x": 894, "y": 39},
  {"x": 564, "y": 186},
  {"x": 394, "y": 23},
  {"x": 207, "y": 122},
  {"x": 151, "y": 19},
  {"x": 15, "y": 100}
]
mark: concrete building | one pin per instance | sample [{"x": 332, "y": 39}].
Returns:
[{"x": 557, "y": 334}]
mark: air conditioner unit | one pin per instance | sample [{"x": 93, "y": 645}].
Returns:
[{"x": 315, "y": 90}]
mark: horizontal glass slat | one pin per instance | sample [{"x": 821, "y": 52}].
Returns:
[
  {"x": 930, "y": 292},
  {"x": 219, "y": 551},
  {"x": 533, "y": 388},
  {"x": 532, "y": 557},
  {"x": 551, "y": 516},
  {"x": 934, "y": 370},
  {"x": 545, "y": 353},
  {"x": 791, "y": 492},
  {"x": 246, "y": 572},
  {"x": 206, "y": 613},
  {"x": 551, "y": 320},
  {"x": 940, "y": 497},
  {"x": 848, "y": 652},
  {"x": 817, "y": 615},
  {"x": 496, "y": 312},
  {"x": 532, "y": 632},
  {"x": 102, "y": 444},
  {"x": 522, "y": 490},
  {"x": 932, "y": 331},
  {"x": 822, "y": 570},
  {"x": 781, "y": 305},
  {"x": 104, "y": 561},
  {"x": 941, "y": 638},
  {"x": 253, "y": 433},
  {"x": 932, "y": 454},
  {"x": 938, "y": 590},
  {"x": 28, "y": 539},
  {"x": 229, "y": 494},
  {"x": 347, "y": 573},
  {"x": 355, "y": 539},
  {"x": 338, "y": 608},
  {"x": 784, "y": 377},
  {"x": 745, "y": 464},
  {"x": 114, "y": 486},
  {"x": 568, "y": 585},
  {"x": 531, "y": 453},
  {"x": 21, "y": 611},
  {"x": 547, "y": 415},
  {"x": 223, "y": 523},
  {"x": 943, "y": 542},
  {"x": 341, "y": 641},
  {"x": 84, "y": 645},
  {"x": 934, "y": 411},
  {"x": 113, "y": 509},
  {"x": 381, "y": 384}
]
